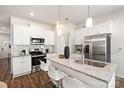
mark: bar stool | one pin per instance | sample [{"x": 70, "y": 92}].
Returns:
[
  {"x": 70, "y": 82},
  {"x": 44, "y": 67},
  {"x": 55, "y": 75}
]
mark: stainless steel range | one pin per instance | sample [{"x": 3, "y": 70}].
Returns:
[{"x": 37, "y": 55}]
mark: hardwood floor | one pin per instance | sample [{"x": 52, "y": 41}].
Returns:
[
  {"x": 119, "y": 82},
  {"x": 35, "y": 80}
]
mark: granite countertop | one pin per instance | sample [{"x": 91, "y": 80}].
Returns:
[
  {"x": 104, "y": 73},
  {"x": 18, "y": 55}
]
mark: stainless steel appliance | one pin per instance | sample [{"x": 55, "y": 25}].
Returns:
[
  {"x": 37, "y": 41},
  {"x": 36, "y": 56},
  {"x": 98, "y": 47}
]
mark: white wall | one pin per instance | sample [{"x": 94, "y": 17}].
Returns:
[
  {"x": 118, "y": 42},
  {"x": 59, "y": 39},
  {"x": 4, "y": 36}
]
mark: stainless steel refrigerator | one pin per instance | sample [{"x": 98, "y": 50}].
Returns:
[{"x": 98, "y": 47}]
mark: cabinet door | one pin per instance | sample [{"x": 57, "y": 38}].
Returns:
[
  {"x": 17, "y": 66},
  {"x": 21, "y": 35},
  {"x": 21, "y": 65},
  {"x": 49, "y": 37},
  {"x": 79, "y": 35},
  {"x": 27, "y": 64},
  {"x": 105, "y": 27},
  {"x": 99, "y": 29},
  {"x": 90, "y": 31},
  {"x": 37, "y": 32}
]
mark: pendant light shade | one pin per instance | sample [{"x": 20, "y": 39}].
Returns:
[
  {"x": 59, "y": 32},
  {"x": 89, "y": 20}
]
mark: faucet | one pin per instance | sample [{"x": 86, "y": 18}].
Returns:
[{"x": 82, "y": 53}]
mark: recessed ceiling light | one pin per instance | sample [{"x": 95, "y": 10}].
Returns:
[
  {"x": 3, "y": 28},
  {"x": 31, "y": 14}
]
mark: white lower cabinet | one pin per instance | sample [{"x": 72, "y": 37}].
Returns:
[{"x": 21, "y": 65}]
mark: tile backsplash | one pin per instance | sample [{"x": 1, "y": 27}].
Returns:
[
  {"x": 50, "y": 47},
  {"x": 15, "y": 50}
]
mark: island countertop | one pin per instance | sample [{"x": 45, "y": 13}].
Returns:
[{"x": 103, "y": 74}]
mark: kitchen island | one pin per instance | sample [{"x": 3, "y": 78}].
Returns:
[{"x": 92, "y": 73}]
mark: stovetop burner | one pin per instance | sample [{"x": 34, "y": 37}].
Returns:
[{"x": 36, "y": 52}]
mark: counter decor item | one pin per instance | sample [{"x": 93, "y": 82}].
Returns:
[
  {"x": 67, "y": 49},
  {"x": 61, "y": 56}
]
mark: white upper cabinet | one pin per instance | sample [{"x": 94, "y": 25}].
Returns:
[
  {"x": 49, "y": 37},
  {"x": 37, "y": 32},
  {"x": 78, "y": 37},
  {"x": 21, "y": 35},
  {"x": 99, "y": 29}
]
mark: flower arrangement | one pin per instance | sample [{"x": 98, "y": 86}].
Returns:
[{"x": 67, "y": 38}]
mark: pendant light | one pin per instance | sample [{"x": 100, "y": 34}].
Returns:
[
  {"x": 89, "y": 20},
  {"x": 59, "y": 28}
]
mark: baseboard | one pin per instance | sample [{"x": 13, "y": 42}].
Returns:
[{"x": 22, "y": 74}]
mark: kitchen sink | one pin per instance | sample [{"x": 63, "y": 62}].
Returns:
[{"x": 92, "y": 63}]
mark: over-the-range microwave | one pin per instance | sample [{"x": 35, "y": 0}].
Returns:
[{"x": 37, "y": 41}]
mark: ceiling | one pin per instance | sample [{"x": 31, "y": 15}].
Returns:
[{"x": 48, "y": 14}]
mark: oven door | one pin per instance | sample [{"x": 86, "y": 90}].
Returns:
[{"x": 35, "y": 60}]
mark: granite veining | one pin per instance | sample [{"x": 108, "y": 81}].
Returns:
[
  {"x": 104, "y": 73},
  {"x": 21, "y": 55}
]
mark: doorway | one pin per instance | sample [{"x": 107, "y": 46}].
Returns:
[{"x": 4, "y": 49}]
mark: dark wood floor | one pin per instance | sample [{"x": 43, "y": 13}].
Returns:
[{"x": 36, "y": 80}]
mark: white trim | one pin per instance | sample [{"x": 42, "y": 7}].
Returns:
[{"x": 14, "y": 76}]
